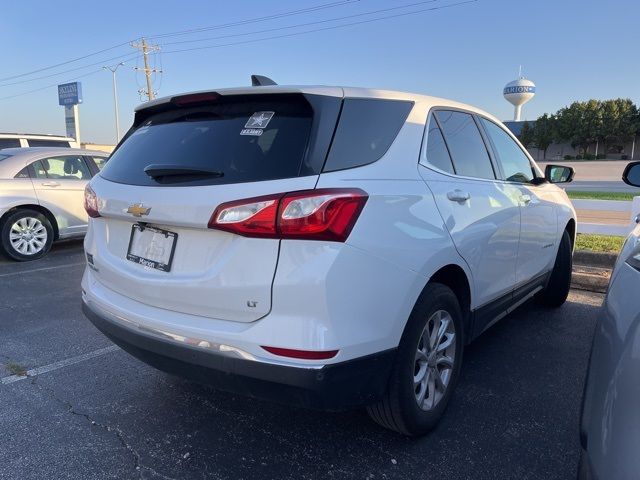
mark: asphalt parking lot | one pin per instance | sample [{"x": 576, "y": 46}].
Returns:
[{"x": 88, "y": 410}]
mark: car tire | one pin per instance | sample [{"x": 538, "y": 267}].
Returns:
[
  {"x": 400, "y": 408},
  {"x": 26, "y": 235},
  {"x": 557, "y": 289}
]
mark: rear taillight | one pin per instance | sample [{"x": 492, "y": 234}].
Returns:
[
  {"x": 323, "y": 214},
  {"x": 91, "y": 202}
]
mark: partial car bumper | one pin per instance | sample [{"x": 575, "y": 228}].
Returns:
[{"x": 337, "y": 386}]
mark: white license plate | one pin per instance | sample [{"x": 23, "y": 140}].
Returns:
[{"x": 152, "y": 247}]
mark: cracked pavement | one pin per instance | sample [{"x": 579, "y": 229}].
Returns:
[{"x": 514, "y": 415}]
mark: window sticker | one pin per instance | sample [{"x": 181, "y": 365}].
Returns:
[
  {"x": 259, "y": 120},
  {"x": 255, "y": 132}
]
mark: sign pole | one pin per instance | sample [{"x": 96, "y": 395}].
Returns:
[{"x": 70, "y": 96}]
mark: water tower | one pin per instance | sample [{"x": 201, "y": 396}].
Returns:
[{"x": 519, "y": 92}]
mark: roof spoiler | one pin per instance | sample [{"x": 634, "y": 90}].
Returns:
[{"x": 261, "y": 81}]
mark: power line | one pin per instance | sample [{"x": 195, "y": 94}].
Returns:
[
  {"x": 51, "y": 86},
  {"x": 256, "y": 19},
  {"x": 124, "y": 58},
  {"x": 335, "y": 19},
  {"x": 333, "y": 27},
  {"x": 184, "y": 32},
  {"x": 64, "y": 63}
]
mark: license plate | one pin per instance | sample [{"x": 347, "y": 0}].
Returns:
[{"x": 152, "y": 247}]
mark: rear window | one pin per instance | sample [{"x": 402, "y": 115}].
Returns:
[
  {"x": 366, "y": 130},
  {"x": 48, "y": 143},
  {"x": 243, "y": 138},
  {"x": 9, "y": 143}
]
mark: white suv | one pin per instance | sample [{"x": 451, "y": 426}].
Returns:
[{"x": 322, "y": 246}]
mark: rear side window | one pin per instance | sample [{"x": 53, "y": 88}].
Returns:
[
  {"x": 24, "y": 173},
  {"x": 242, "y": 139},
  {"x": 48, "y": 143},
  {"x": 9, "y": 143},
  {"x": 436, "y": 153},
  {"x": 468, "y": 151},
  {"x": 366, "y": 130},
  {"x": 515, "y": 164}
]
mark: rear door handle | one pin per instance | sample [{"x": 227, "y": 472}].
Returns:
[
  {"x": 50, "y": 184},
  {"x": 458, "y": 196},
  {"x": 526, "y": 199}
]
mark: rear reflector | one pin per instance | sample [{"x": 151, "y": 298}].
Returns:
[
  {"x": 323, "y": 214},
  {"x": 302, "y": 354}
]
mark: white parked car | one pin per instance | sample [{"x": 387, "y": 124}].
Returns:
[
  {"x": 41, "y": 197},
  {"x": 610, "y": 423},
  {"x": 323, "y": 246},
  {"x": 17, "y": 140}
]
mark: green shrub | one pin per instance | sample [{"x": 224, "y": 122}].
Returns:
[
  {"x": 589, "y": 156},
  {"x": 578, "y": 157},
  {"x": 569, "y": 157},
  {"x": 601, "y": 156}
]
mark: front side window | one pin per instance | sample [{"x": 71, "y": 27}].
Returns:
[
  {"x": 436, "y": 153},
  {"x": 515, "y": 164},
  {"x": 66, "y": 167},
  {"x": 468, "y": 151}
]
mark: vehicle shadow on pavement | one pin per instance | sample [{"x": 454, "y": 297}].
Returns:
[{"x": 514, "y": 415}]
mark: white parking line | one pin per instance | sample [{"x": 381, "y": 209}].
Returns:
[
  {"x": 22, "y": 272},
  {"x": 58, "y": 365}
]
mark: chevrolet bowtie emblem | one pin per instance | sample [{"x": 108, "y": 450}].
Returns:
[{"x": 138, "y": 209}]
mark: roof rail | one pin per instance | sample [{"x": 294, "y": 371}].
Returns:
[{"x": 261, "y": 81}]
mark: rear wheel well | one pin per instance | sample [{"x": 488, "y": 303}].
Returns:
[
  {"x": 456, "y": 279},
  {"x": 571, "y": 229},
  {"x": 37, "y": 208}
]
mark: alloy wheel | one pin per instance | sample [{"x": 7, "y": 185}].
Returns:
[{"x": 434, "y": 360}]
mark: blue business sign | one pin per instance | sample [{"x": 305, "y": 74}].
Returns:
[
  {"x": 519, "y": 89},
  {"x": 70, "y": 93}
]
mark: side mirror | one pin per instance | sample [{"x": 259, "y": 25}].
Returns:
[
  {"x": 558, "y": 174},
  {"x": 631, "y": 175}
]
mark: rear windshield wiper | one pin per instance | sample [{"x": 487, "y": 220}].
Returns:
[{"x": 160, "y": 170}]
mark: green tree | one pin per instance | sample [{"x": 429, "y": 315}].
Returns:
[
  {"x": 544, "y": 133},
  {"x": 620, "y": 118},
  {"x": 526, "y": 134}
]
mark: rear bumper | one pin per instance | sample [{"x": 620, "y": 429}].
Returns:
[{"x": 337, "y": 386}]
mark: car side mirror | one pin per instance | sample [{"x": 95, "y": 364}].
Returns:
[
  {"x": 631, "y": 175},
  {"x": 558, "y": 174}
]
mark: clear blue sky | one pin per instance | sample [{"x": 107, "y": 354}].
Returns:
[{"x": 571, "y": 49}]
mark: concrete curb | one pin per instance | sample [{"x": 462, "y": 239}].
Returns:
[
  {"x": 589, "y": 258},
  {"x": 592, "y": 270},
  {"x": 596, "y": 280}
]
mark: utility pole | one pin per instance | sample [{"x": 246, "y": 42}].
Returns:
[
  {"x": 113, "y": 69},
  {"x": 146, "y": 49}
]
